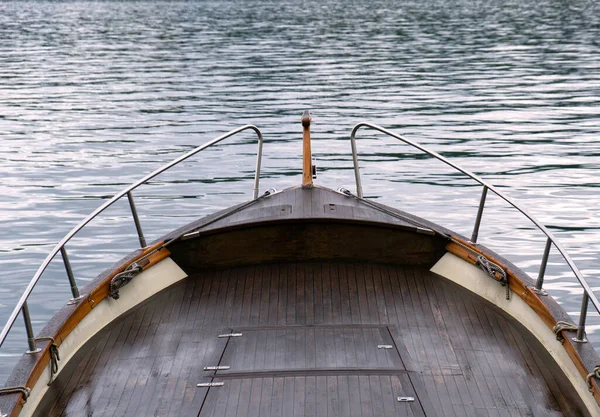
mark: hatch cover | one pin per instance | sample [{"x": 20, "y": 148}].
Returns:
[{"x": 279, "y": 370}]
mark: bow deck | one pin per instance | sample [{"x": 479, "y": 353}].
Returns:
[{"x": 309, "y": 346}]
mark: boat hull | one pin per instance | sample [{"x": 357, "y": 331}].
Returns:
[{"x": 341, "y": 304}]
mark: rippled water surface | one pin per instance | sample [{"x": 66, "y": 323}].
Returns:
[{"x": 95, "y": 95}]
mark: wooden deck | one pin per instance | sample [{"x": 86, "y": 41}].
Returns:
[{"x": 310, "y": 347}]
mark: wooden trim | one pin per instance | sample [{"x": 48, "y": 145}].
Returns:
[
  {"x": 306, "y": 151},
  {"x": 520, "y": 289},
  {"x": 82, "y": 309},
  {"x": 517, "y": 286}
]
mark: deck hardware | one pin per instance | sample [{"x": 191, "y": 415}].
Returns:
[
  {"x": 594, "y": 374},
  {"x": 406, "y": 399},
  {"x": 583, "y": 283},
  {"x": 76, "y": 300},
  {"x": 359, "y": 191},
  {"x": 345, "y": 191},
  {"x": 230, "y": 335},
  {"x": 541, "y": 293},
  {"x": 258, "y": 162},
  {"x": 29, "y": 330},
  {"x": 74, "y": 289},
  {"x": 136, "y": 220},
  {"x": 385, "y": 347},
  {"x": 540, "y": 280},
  {"x": 16, "y": 390},
  {"x": 495, "y": 271},
  {"x": 270, "y": 191},
  {"x": 563, "y": 325},
  {"x": 580, "y": 338},
  {"x": 217, "y": 368},
  {"x": 479, "y": 215},
  {"x": 314, "y": 170},
  {"x": 210, "y": 384},
  {"x": 54, "y": 356},
  {"x": 123, "y": 278}
]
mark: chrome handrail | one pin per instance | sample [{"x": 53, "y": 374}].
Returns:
[
  {"x": 60, "y": 246},
  {"x": 588, "y": 294}
]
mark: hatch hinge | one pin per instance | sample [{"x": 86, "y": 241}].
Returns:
[
  {"x": 210, "y": 384},
  {"x": 230, "y": 335},
  {"x": 406, "y": 399},
  {"x": 217, "y": 368}
]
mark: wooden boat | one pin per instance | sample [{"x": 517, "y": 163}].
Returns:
[{"x": 309, "y": 302}]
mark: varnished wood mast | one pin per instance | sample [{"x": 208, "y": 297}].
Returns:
[{"x": 307, "y": 155}]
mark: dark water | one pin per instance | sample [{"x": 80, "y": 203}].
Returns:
[{"x": 94, "y": 95}]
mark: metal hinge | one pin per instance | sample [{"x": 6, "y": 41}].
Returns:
[
  {"x": 217, "y": 368},
  {"x": 385, "y": 347},
  {"x": 406, "y": 399},
  {"x": 230, "y": 335},
  {"x": 210, "y": 384}
]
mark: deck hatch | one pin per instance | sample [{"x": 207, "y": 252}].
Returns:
[
  {"x": 286, "y": 367},
  {"x": 312, "y": 348}
]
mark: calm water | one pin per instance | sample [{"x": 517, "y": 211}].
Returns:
[{"x": 94, "y": 95}]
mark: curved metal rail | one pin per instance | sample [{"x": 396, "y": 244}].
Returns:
[
  {"x": 588, "y": 294},
  {"x": 22, "y": 304}
]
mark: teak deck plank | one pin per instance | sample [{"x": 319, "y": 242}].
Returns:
[{"x": 309, "y": 347}]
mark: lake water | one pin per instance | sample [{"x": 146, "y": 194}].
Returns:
[{"x": 93, "y": 95}]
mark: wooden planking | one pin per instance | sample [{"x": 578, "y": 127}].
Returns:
[
  {"x": 336, "y": 395},
  {"x": 305, "y": 203},
  {"x": 584, "y": 357},
  {"x": 320, "y": 347},
  {"x": 309, "y": 340}
]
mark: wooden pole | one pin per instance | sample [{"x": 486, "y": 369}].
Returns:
[{"x": 307, "y": 178}]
